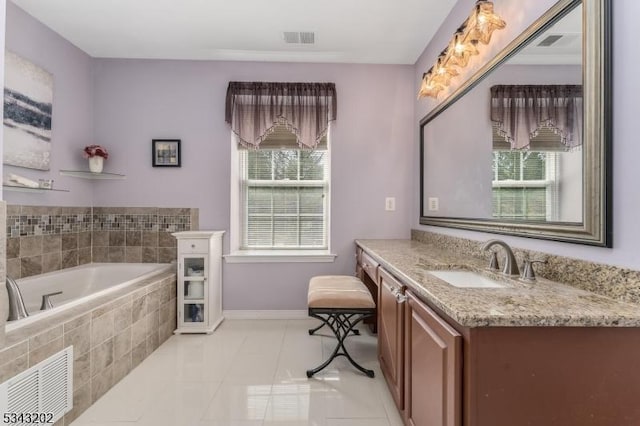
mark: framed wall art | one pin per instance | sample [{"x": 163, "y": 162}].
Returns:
[
  {"x": 166, "y": 152},
  {"x": 28, "y": 102}
]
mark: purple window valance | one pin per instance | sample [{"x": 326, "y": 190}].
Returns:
[
  {"x": 254, "y": 109},
  {"x": 519, "y": 111}
]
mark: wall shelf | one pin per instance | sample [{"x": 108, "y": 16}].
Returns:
[
  {"x": 17, "y": 188},
  {"x": 90, "y": 175}
]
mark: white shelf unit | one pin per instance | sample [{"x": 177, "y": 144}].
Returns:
[{"x": 199, "y": 281}]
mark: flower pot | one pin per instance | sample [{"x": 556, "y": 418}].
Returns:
[{"x": 95, "y": 164}]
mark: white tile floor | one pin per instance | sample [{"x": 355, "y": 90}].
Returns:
[{"x": 249, "y": 373}]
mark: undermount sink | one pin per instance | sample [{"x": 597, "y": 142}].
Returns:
[{"x": 466, "y": 279}]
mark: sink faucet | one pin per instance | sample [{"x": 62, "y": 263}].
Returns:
[
  {"x": 510, "y": 263},
  {"x": 17, "y": 310}
]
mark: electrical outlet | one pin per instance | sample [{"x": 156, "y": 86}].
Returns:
[
  {"x": 434, "y": 204},
  {"x": 390, "y": 204}
]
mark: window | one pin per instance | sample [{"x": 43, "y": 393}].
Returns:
[
  {"x": 524, "y": 185},
  {"x": 280, "y": 170},
  {"x": 283, "y": 195}
]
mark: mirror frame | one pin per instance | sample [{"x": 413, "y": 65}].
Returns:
[{"x": 596, "y": 227}]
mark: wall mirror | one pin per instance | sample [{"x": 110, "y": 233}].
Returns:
[{"x": 489, "y": 163}]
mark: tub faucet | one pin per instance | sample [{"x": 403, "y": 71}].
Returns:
[
  {"x": 510, "y": 263},
  {"x": 17, "y": 310},
  {"x": 46, "y": 301}
]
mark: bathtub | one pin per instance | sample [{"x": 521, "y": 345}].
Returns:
[{"x": 79, "y": 285}]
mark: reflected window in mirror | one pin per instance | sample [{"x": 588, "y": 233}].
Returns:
[
  {"x": 542, "y": 183},
  {"x": 524, "y": 185}
]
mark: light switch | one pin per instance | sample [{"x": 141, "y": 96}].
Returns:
[
  {"x": 390, "y": 204},
  {"x": 434, "y": 204}
]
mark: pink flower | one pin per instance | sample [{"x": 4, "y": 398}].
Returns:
[{"x": 95, "y": 150}]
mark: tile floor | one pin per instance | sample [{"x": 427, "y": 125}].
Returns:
[{"x": 249, "y": 373}]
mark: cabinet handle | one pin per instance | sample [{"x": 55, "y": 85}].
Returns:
[
  {"x": 193, "y": 246},
  {"x": 400, "y": 298}
]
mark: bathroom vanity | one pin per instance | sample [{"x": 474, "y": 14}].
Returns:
[{"x": 513, "y": 353}]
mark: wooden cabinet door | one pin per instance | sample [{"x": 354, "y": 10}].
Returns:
[
  {"x": 390, "y": 335},
  {"x": 433, "y": 368}
]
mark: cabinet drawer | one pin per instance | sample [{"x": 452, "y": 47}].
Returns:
[
  {"x": 369, "y": 266},
  {"x": 193, "y": 246}
]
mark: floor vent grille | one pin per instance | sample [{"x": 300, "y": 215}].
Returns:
[{"x": 47, "y": 387}]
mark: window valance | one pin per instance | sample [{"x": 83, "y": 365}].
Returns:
[
  {"x": 520, "y": 111},
  {"x": 254, "y": 109}
]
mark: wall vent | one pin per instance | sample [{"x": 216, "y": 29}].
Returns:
[
  {"x": 47, "y": 387},
  {"x": 296, "y": 37},
  {"x": 549, "y": 40},
  {"x": 307, "y": 37}
]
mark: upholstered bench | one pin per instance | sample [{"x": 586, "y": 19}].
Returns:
[{"x": 340, "y": 302}]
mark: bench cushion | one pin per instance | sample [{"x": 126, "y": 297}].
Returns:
[{"x": 338, "y": 291}]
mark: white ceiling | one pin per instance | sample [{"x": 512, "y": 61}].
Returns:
[
  {"x": 566, "y": 51},
  {"x": 358, "y": 31}
]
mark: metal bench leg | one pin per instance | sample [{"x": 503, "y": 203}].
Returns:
[
  {"x": 322, "y": 324},
  {"x": 342, "y": 324}
]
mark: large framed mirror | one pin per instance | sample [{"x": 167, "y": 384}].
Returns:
[{"x": 490, "y": 163}]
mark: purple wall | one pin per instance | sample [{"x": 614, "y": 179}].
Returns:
[
  {"x": 626, "y": 149},
  {"x": 372, "y": 140},
  {"x": 72, "y": 121},
  {"x": 123, "y": 104}
]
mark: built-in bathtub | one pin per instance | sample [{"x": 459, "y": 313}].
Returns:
[
  {"x": 114, "y": 315},
  {"x": 79, "y": 285}
]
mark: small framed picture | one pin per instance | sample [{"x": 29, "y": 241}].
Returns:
[{"x": 166, "y": 152}]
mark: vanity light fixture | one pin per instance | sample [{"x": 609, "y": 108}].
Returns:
[{"x": 478, "y": 28}]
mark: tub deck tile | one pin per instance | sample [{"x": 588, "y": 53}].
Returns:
[
  {"x": 80, "y": 338},
  {"x": 45, "y": 337},
  {"x": 77, "y": 322},
  {"x": 101, "y": 329},
  {"x": 45, "y": 351},
  {"x": 123, "y": 317}
]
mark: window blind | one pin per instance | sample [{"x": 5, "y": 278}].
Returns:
[
  {"x": 546, "y": 140},
  {"x": 284, "y": 193},
  {"x": 525, "y": 185}
]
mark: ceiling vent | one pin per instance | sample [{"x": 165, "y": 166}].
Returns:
[
  {"x": 548, "y": 41},
  {"x": 295, "y": 37}
]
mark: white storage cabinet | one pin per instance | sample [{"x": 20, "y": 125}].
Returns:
[{"x": 199, "y": 281}]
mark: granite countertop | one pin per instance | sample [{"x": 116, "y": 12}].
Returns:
[{"x": 543, "y": 303}]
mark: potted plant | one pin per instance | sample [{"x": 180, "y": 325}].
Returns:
[{"x": 96, "y": 155}]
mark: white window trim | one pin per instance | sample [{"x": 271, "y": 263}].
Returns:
[
  {"x": 238, "y": 255},
  {"x": 280, "y": 256}
]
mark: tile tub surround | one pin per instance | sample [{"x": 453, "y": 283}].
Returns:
[
  {"x": 611, "y": 281},
  {"x": 541, "y": 304},
  {"x": 139, "y": 234},
  {"x": 44, "y": 238},
  {"x": 110, "y": 337}
]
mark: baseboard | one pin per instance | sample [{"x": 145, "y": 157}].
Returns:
[{"x": 266, "y": 315}]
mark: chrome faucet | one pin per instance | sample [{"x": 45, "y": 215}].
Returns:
[
  {"x": 510, "y": 263},
  {"x": 17, "y": 310}
]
